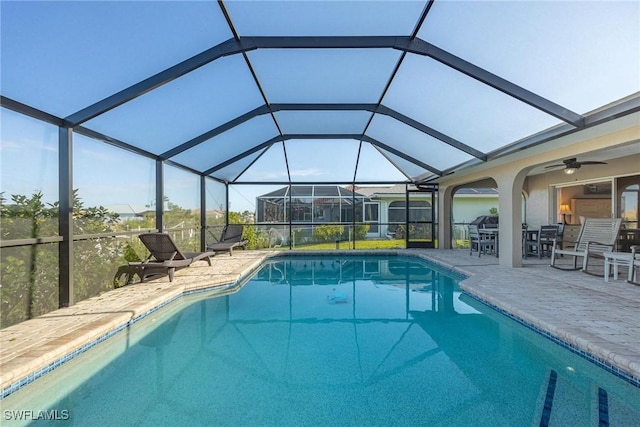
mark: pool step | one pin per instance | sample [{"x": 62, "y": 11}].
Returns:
[
  {"x": 548, "y": 400},
  {"x": 603, "y": 408},
  {"x": 565, "y": 404}
]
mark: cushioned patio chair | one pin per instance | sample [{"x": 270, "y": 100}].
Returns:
[
  {"x": 165, "y": 257},
  {"x": 597, "y": 236},
  {"x": 231, "y": 239}
]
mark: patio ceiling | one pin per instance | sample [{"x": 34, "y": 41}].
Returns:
[{"x": 304, "y": 91}]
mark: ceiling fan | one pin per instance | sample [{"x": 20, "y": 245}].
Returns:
[{"x": 572, "y": 165}]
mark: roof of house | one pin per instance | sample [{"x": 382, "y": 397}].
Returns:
[
  {"x": 312, "y": 191},
  {"x": 400, "y": 189}
]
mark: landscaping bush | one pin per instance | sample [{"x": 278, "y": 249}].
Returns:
[
  {"x": 327, "y": 233},
  {"x": 361, "y": 231}
]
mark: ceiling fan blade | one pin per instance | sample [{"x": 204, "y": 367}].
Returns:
[{"x": 573, "y": 163}]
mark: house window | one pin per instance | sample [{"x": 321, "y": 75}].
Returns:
[{"x": 419, "y": 210}]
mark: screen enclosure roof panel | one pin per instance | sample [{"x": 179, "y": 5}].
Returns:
[
  {"x": 61, "y": 56},
  {"x": 321, "y": 91}
]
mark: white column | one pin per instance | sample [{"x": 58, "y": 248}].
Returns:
[
  {"x": 510, "y": 210},
  {"x": 445, "y": 202}
]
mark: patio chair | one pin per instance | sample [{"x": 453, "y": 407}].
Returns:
[
  {"x": 541, "y": 242},
  {"x": 479, "y": 242},
  {"x": 634, "y": 265},
  {"x": 597, "y": 236},
  {"x": 231, "y": 239},
  {"x": 165, "y": 257},
  {"x": 560, "y": 236}
]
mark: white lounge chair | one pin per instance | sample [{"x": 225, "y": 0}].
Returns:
[{"x": 597, "y": 236}]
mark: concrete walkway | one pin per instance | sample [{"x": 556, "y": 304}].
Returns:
[{"x": 602, "y": 319}]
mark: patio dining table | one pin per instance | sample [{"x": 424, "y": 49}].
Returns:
[{"x": 494, "y": 235}]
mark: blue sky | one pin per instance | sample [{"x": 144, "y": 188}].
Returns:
[{"x": 63, "y": 56}]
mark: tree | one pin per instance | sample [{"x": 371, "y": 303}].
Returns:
[
  {"x": 249, "y": 233},
  {"x": 30, "y": 273}
]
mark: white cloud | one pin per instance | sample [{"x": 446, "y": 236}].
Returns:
[{"x": 307, "y": 172}]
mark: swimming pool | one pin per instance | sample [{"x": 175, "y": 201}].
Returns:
[{"x": 331, "y": 341}]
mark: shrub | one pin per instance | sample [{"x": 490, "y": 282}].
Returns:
[
  {"x": 361, "y": 231},
  {"x": 327, "y": 233}
]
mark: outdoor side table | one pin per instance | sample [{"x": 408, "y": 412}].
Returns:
[{"x": 616, "y": 259}]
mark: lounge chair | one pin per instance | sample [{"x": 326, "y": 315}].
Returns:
[
  {"x": 165, "y": 257},
  {"x": 597, "y": 236},
  {"x": 231, "y": 239}
]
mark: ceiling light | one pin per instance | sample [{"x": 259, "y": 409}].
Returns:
[{"x": 570, "y": 171}]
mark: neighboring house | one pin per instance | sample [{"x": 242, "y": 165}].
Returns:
[
  {"x": 470, "y": 203},
  {"x": 310, "y": 207},
  {"x": 382, "y": 207},
  {"x": 388, "y": 205},
  {"x": 310, "y": 204},
  {"x": 216, "y": 214},
  {"x": 126, "y": 211}
]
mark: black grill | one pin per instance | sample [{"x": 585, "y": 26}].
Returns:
[{"x": 486, "y": 221}]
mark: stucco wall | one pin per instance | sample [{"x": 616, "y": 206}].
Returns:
[{"x": 467, "y": 208}]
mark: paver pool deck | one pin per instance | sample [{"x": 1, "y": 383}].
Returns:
[{"x": 600, "y": 318}]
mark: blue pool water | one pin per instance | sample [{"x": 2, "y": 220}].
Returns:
[{"x": 325, "y": 341}]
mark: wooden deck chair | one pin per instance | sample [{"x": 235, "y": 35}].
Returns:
[
  {"x": 164, "y": 256},
  {"x": 597, "y": 235},
  {"x": 231, "y": 239}
]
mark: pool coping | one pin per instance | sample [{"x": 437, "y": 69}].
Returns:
[{"x": 95, "y": 332}]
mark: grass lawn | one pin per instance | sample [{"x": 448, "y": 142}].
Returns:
[{"x": 363, "y": 245}]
